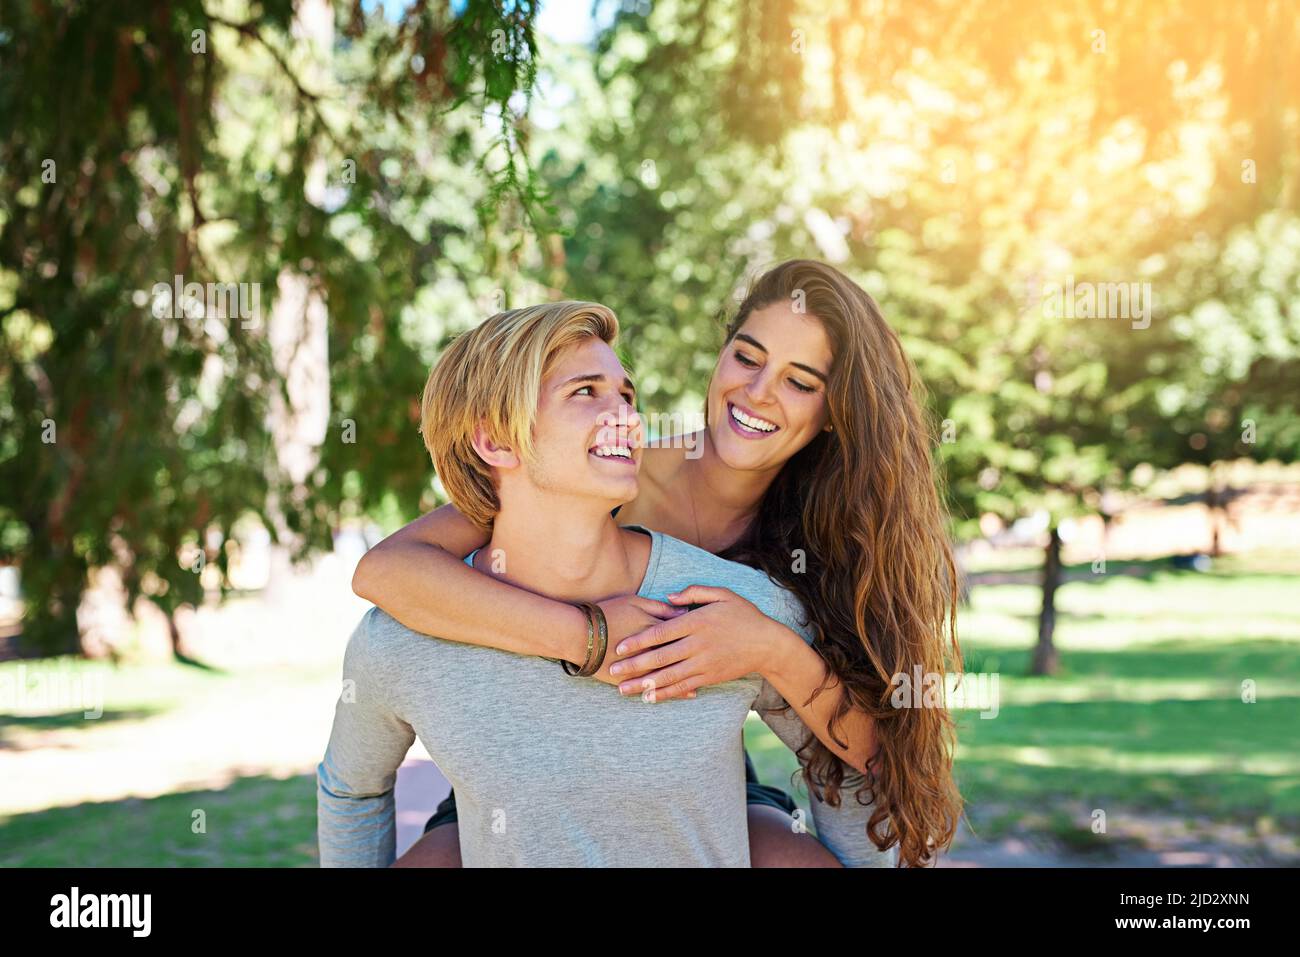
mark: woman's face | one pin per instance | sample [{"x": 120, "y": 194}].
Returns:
[{"x": 767, "y": 397}]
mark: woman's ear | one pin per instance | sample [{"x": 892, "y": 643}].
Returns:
[{"x": 497, "y": 456}]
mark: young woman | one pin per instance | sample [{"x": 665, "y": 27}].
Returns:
[{"x": 814, "y": 466}]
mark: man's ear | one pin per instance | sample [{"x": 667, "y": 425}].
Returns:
[{"x": 494, "y": 455}]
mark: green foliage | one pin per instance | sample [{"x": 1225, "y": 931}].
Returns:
[
  {"x": 142, "y": 142},
  {"x": 959, "y": 160}
]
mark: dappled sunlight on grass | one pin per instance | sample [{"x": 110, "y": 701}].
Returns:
[
  {"x": 164, "y": 727},
  {"x": 1144, "y": 719},
  {"x": 252, "y": 822},
  {"x": 1083, "y": 756},
  {"x": 1121, "y": 613}
]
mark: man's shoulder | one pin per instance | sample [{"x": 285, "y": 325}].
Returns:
[
  {"x": 381, "y": 642},
  {"x": 378, "y": 625},
  {"x": 380, "y": 633},
  {"x": 682, "y": 564},
  {"x": 680, "y": 555}
]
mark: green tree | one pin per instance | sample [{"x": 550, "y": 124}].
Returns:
[
  {"x": 959, "y": 160},
  {"x": 222, "y": 145}
]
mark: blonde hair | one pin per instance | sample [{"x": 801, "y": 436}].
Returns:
[{"x": 492, "y": 376}]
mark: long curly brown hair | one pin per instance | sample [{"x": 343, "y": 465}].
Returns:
[{"x": 864, "y": 503}]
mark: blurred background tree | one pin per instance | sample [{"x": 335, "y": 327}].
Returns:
[
  {"x": 229, "y": 143},
  {"x": 431, "y": 164},
  {"x": 961, "y": 165}
]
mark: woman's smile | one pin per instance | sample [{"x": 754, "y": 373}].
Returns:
[{"x": 749, "y": 425}]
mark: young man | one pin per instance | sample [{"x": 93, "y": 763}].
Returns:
[{"x": 553, "y": 770}]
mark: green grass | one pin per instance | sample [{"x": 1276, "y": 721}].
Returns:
[
  {"x": 1146, "y": 716},
  {"x": 255, "y": 822},
  {"x": 1145, "y": 719}
]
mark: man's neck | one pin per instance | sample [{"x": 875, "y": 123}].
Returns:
[{"x": 565, "y": 550}]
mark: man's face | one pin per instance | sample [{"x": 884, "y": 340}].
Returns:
[{"x": 587, "y": 437}]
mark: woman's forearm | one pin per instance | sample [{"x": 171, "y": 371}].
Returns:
[
  {"x": 796, "y": 671},
  {"x": 429, "y": 590}
]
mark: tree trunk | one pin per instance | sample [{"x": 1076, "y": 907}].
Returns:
[
  {"x": 1214, "y": 498},
  {"x": 298, "y": 332},
  {"x": 1046, "y": 658},
  {"x": 963, "y": 577},
  {"x": 46, "y": 570}
]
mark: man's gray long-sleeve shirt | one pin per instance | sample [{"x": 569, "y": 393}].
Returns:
[{"x": 551, "y": 770}]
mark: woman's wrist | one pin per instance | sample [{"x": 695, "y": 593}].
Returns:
[{"x": 780, "y": 650}]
